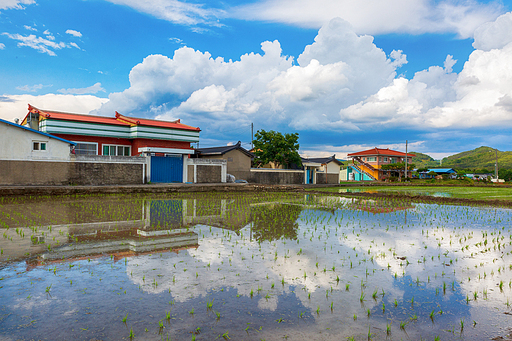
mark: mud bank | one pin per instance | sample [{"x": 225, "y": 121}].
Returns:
[{"x": 149, "y": 189}]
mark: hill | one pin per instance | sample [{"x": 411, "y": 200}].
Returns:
[
  {"x": 424, "y": 161},
  {"x": 479, "y": 158}
]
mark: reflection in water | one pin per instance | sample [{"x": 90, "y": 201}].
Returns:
[
  {"x": 255, "y": 267},
  {"x": 275, "y": 221}
]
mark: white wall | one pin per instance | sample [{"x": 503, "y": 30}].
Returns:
[
  {"x": 16, "y": 144},
  {"x": 333, "y": 168}
]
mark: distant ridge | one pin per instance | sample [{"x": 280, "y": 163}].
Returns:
[{"x": 476, "y": 159}]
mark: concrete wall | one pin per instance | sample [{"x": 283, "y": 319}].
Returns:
[
  {"x": 321, "y": 178},
  {"x": 238, "y": 163},
  {"x": 333, "y": 178},
  {"x": 209, "y": 174},
  {"x": 14, "y": 172},
  {"x": 16, "y": 144},
  {"x": 276, "y": 176},
  {"x": 106, "y": 174},
  {"x": 190, "y": 173}
]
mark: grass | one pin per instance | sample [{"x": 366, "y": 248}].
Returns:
[{"x": 465, "y": 192}]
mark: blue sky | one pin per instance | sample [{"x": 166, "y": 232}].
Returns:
[{"x": 345, "y": 77}]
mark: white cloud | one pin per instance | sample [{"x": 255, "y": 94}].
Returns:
[
  {"x": 80, "y": 91},
  {"x": 37, "y": 43},
  {"x": 337, "y": 70},
  {"x": 74, "y": 33},
  {"x": 377, "y": 17},
  {"x": 15, "y": 4},
  {"x": 31, "y": 88},
  {"x": 2, "y": 46},
  {"x": 341, "y": 83},
  {"x": 30, "y": 28},
  {"x": 175, "y": 11},
  {"x": 176, "y": 40},
  {"x": 494, "y": 35},
  {"x": 43, "y": 45},
  {"x": 479, "y": 96},
  {"x": 75, "y": 45},
  {"x": 16, "y": 106}
]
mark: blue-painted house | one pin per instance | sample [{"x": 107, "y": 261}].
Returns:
[{"x": 439, "y": 171}]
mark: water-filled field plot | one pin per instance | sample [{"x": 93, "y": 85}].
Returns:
[{"x": 250, "y": 267}]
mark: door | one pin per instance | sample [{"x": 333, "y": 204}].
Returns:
[{"x": 167, "y": 169}]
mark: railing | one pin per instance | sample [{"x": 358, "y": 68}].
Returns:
[
  {"x": 367, "y": 165},
  {"x": 364, "y": 172}
]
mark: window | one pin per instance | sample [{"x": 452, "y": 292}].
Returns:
[
  {"x": 115, "y": 150},
  {"x": 371, "y": 159},
  {"x": 86, "y": 148},
  {"x": 37, "y": 145},
  {"x": 385, "y": 159}
]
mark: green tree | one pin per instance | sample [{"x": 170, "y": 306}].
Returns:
[
  {"x": 272, "y": 146},
  {"x": 399, "y": 166}
]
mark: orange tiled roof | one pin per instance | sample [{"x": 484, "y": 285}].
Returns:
[
  {"x": 380, "y": 152},
  {"x": 117, "y": 120}
]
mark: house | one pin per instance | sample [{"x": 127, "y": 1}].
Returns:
[
  {"x": 23, "y": 143},
  {"x": 238, "y": 158},
  {"x": 480, "y": 176},
  {"x": 168, "y": 143},
  {"x": 322, "y": 170},
  {"x": 367, "y": 164},
  {"x": 440, "y": 172},
  {"x": 29, "y": 156}
]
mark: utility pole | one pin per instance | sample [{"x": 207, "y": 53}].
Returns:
[
  {"x": 252, "y": 135},
  {"x": 496, "y": 165},
  {"x": 406, "y": 159}
]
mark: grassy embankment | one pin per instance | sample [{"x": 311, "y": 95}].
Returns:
[{"x": 469, "y": 192}]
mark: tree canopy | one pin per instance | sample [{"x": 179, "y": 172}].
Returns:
[
  {"x": 399, "y": 166},
  {"x": 271, "y": 146}
]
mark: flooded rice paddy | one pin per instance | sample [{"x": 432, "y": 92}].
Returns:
[
  {"x": 252, "y": 267},
  {"x": 460, "y": 192}
]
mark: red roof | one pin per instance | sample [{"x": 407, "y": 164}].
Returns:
[
  {"x": 117, "y": 120},
  {"x": 154, "y": 123},
  {"x": 380, "y": 152}
]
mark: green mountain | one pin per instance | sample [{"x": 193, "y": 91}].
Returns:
[
  {"x": 424, "y": 161},
  {"x": 479, "y": 158}
]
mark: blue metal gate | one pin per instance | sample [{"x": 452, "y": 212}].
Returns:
[{"x": 167, "y": 169}]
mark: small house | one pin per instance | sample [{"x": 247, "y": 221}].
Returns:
[
  {"x": 238, "y": 158},
  {"x": 29, "y": 156},
  {"x": 438, "y": 173},
  {"x": 322, "y": 170}
]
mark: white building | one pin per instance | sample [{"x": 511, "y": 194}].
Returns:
[{"x": 19, "y": 143}]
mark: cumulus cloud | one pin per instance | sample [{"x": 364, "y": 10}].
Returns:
[
  {"x": 341, "y": 83},
  {"x": 411, "y": 16},
  {"x": 15, "y": 106},
  {"x": 339, "y": 69},
  {"x": 2, "y": 46},
  {"x": 80, "y": 91},
  {"x": 15, "y": 4},
  {"x": 74, "y": 33},
  {"x": 175, "y": 11},
  {"x": 495, "y": 34}
]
